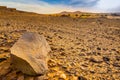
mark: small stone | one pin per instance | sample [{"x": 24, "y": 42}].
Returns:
[
  {"x": 63, "y": 76},
  {"x": 81, "y": 78},
  {"x": 95, "y": 60},
  {"x": 59, "y": 37},
  {"x": 117, "y": 58},
  {"x": 106, "y": 59},
  {"x": 8, "y": 24},
  {"x": 98, "y": 48},
  {"x": 61, "y": 49},
  {"x": 113, "y": 49},
  {"x": 92, "y": 71},
  {"x": 53, "y": 49},
  {"x": 2, "y": 59},
  {"x": 74, "y": 78},
  {"x": 83, "y": 50},
  {"x": 116, "y": 65},
  {"x": 51, "y": 63},
  {"x": 62, "y": 53},
  {"x": 99, "y": 53},
  {"x": 81, "y": 54}
]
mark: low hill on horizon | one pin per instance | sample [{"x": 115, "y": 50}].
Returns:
[{"x": 4, "y": 10}]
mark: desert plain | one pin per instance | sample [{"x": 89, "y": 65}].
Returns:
[{"x": 81, "y": 48}]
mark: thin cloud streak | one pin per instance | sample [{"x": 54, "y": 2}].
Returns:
[{"x": 84, "y": 3}]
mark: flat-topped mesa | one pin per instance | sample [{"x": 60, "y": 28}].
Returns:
[
  {"x": 12, "y": 9},
  {"x": 3, "y": 7},
  {"x": 30, "y": 53}
]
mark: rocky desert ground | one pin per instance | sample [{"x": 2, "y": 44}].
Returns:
[{"x": 82, "y": 48}]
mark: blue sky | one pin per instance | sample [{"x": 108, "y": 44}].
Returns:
[
  {"x": 72, "y": 2},
  {"x": 56, "y": 6}
]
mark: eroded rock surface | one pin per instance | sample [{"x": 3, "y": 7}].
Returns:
[{"x": 29, "y": 54}]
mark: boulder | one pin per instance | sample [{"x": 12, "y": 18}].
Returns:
[{"x": 29, "y": 54}]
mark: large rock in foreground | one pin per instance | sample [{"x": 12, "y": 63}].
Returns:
[{"x": 29, "y": 54}]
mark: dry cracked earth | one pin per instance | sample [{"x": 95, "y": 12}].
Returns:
[{"x": 82, "y": 49}]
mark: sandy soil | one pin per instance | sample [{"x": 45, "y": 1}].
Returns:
[{"x": 82, "y": 49}]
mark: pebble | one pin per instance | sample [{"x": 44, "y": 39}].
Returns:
[
  {"x": 106, "y": 59},
  {"x": 63, "y": 76}
]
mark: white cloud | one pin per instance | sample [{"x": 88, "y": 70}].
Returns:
[
  {"x": 99, "y": 5},
  {"x": 40, "y": 7},
  {"x": 43, "y": 7},
  {"x": 85, "y": 1},
  {"x": 108, "y": 5}
]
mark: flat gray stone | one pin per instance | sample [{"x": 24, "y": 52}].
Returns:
[{"x": 29, "y": 54}]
